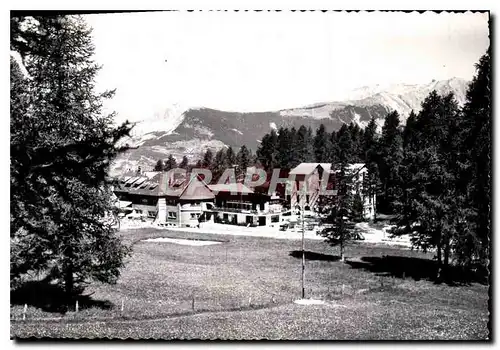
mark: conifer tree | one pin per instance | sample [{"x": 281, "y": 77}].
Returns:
[
  {"x": 370, "y": 147},
  {"x": 61, "y": 148},
  {"x": 267, "y": 151},
  {"x": 170, "y": 163},
  {"x": 285, "y": 143},
  {"x": 428, "y": 211},
  {"x": 294, "y": 156},
  {"x": 207, "y": 159},
  {"x": 322, "y": 145},
  {"x": 184, "y": 163},
  {"x": 476, "y": 154},
  {"x": 346, "y": 209},
  {"x": 243, "y": 160},
  {"x": 159, "y": 165},
  {"x": 357, "y": 142},
  {"x": 345, "y": 145},
  {"x": 334, "y": 153},
  {"x": 391, "y": 156},
  {"x": 219, "y": 164},
  {"x": 230, "y": 157},
  {"x": 304, "y": 145}
]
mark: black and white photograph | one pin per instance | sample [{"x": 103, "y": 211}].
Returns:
[{"x": 251, "y": 175}]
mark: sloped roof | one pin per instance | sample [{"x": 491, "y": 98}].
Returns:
[
  {"x": 238, "y": 188},
  {"x": 196, "y": 189},
  {"x": 308, "y": 168},
  {"x": 139, "y": 184},
  {"x": 157, "y": 184}
]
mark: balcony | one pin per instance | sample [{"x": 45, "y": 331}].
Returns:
[{"x": 234, "y": 210}]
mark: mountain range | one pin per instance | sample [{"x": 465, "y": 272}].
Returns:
[{"x": 188, "y": 131}]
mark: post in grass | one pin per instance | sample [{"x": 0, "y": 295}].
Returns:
[
  {"x": 122, "y": 306},
  {"x": 24, "y": 311},
  {"x": 76, "y": 306}
]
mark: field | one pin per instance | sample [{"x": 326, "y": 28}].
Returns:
[{"x": 244, "y": 288}]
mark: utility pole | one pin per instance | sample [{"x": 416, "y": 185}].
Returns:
[{"x": 303, "y": 253}]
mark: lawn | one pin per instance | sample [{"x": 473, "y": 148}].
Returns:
[{"x": 244, "y": 288}]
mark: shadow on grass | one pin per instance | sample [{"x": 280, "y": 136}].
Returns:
[
  {"x": 417, "y": 269},
  {"x": 314, "y": 256},
  {"x": 52, "y": 298}
]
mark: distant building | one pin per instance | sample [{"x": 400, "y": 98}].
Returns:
[{"x": 306, "y": 185}]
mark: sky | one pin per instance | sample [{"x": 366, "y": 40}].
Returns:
[{"x": 250, "y": 61}]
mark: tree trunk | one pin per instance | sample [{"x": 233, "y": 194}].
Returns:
[
  {"x": 446, "y": 266},
  {"x": 68, "y": 274},
  {"x": 439, "y": 263},
  {"x": 342, "y": 244},
  {"x": 68, "y": 281}
]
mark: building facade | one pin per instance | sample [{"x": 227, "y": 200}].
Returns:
[{"x": 173, "y": 199}]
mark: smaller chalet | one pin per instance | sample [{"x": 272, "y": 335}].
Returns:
[{"x": 305, "y": 182}]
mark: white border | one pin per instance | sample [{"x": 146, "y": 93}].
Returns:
[{"x": 200, "y": 4}]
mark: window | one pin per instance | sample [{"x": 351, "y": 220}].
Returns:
[
  {"x": 275, "y": 218},
  {"x": 193, "y": 216},
  {"x": 172, "y": 215},
  {"x": 151, "y": 214}
]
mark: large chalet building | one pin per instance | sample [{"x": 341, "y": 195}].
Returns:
[
  {"x": 185, "y": 201},
  {"x": 182, "y": 200}
]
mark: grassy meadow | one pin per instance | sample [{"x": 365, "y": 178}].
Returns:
[{"x": 244, "y": 288}]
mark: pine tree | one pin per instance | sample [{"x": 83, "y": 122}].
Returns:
[
  {"x": 207, "y": 159},
  {"x": 230, "y": 157},
  {"x": 61, "y": 148},
  {"x": 427, "y": 209},
  {"x": 409, "y": 129},
  {"x": 285, "y": 143},
  {"x": 294, "y": 150},
  {"x": 267, "y": 151},
  {"x": 184, "y": 163},
  {"x": 391, "y": 156},
  {"x": 334, "y": 153},
  {"x": 219, "y": 164},
  {"x": 357, "y": 142},
  {"x": 304, "y": 145},
  {"x": 243, "y": 160},
  {"x": 170, "y": 163},
  {"x": 476, "y": 154},
  {"x": 322, "y": 145},
  {"x": 346, "y": 210},
  {"x": 345, "y": 145},
  {"x": 370, "y": 147},
  {"x": 159, "y": 165}
]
